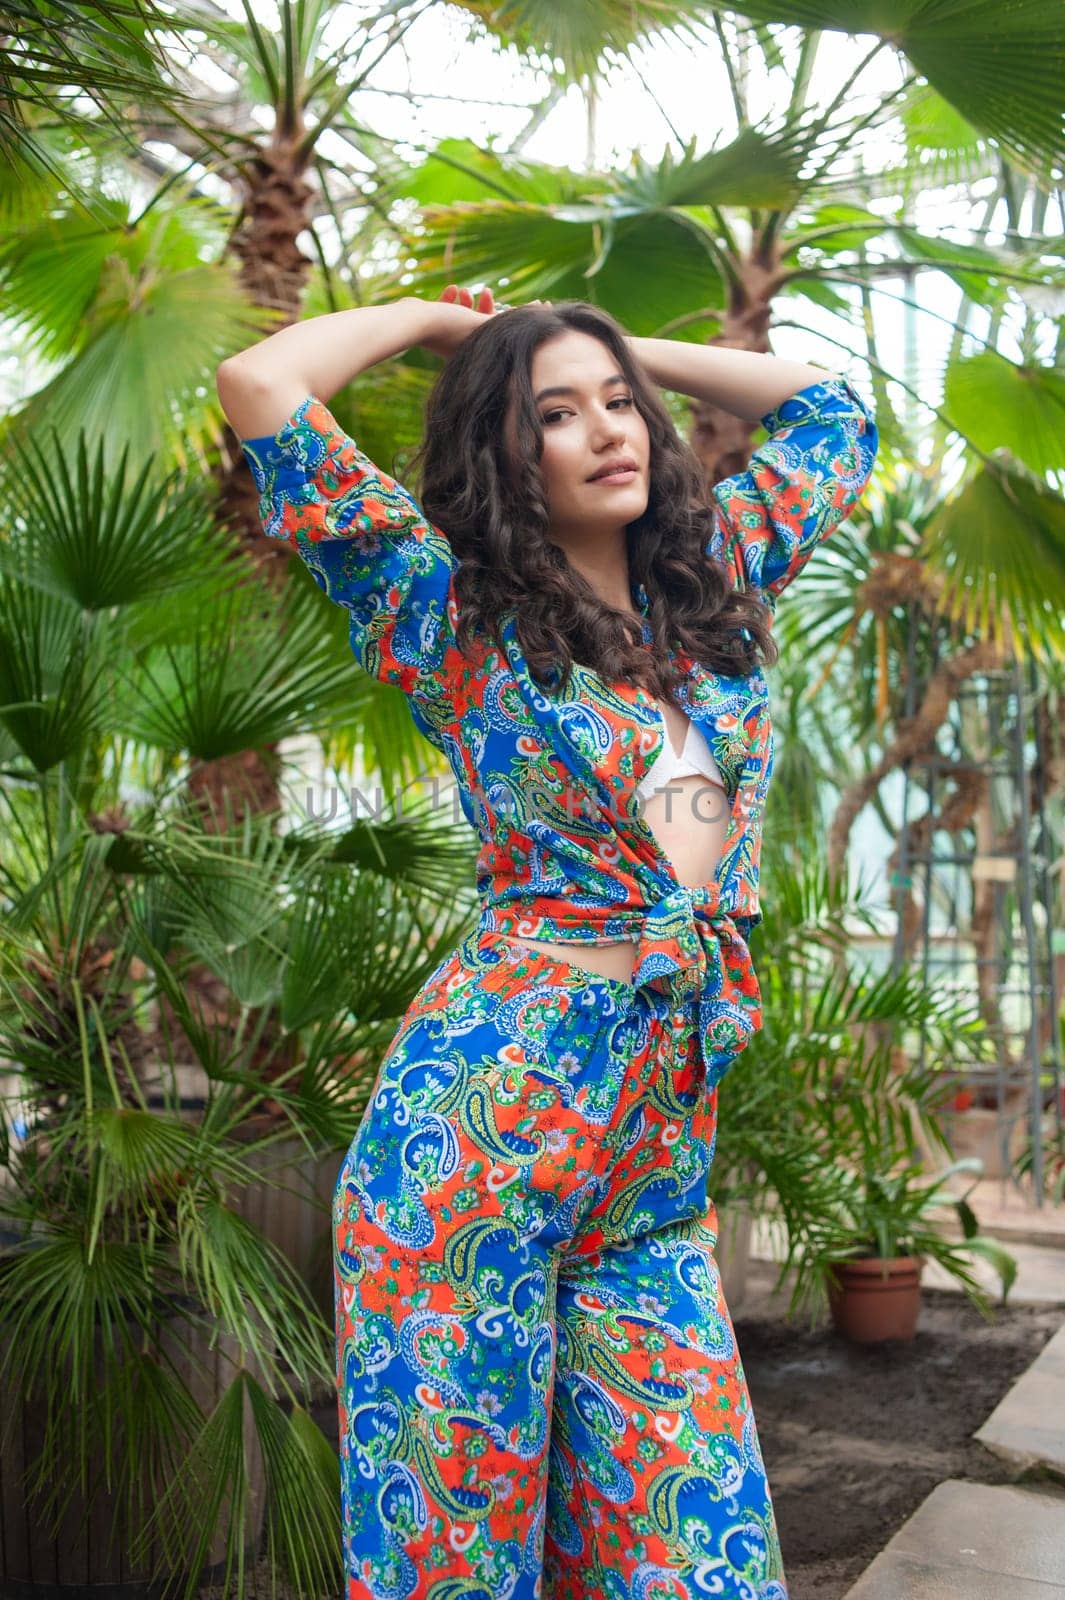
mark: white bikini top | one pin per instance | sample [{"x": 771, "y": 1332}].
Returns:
[{"x": 696, "y": 759}]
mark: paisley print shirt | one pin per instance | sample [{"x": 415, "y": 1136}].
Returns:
[{"x": 548, "y": 779}]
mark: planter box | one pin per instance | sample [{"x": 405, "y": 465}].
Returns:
[
  {"x": 733, "y": 1253},
  {"x": 88, "y": 1554},
  {"x": 292, "y": 1207}
]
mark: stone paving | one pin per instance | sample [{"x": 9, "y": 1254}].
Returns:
[
  {"x": 976, "y": 1541},
  {"x": 1027, "y": 1427},
  {"x": 1005, "y": 1211}
]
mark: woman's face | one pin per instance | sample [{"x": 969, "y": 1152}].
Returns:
[{"x": 590, "y": 423}]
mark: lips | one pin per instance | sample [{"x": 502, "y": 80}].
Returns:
[{"x": 622, "y": 464}]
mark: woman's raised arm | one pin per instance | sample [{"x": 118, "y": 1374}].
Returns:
[
  {"x": 361, "y": 534},
  {"x": 260, "y": 387},
  {"x": 744, "y": 382}
]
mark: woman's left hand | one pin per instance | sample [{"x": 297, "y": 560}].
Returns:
[
  {"x": 453, "y": 295},
  {"x": 486, "y": 302},
  {"x": 447, "y": 333}
]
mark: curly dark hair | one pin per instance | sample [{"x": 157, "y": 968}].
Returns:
[{"x": 496, "y": 520}]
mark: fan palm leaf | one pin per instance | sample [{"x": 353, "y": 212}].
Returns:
[
  {"x": 108, "y": 48},
  {"x": 53, "y": 680},
  {"x": 1000, "y": 546},
  {"x": 579, "y": 35},
  {"x": 209, "y": 695},
  {"x": 213, "y": 1490},
  {"x": 137, "y": 382},
  {"x": 1000, "y": 63},
  {"x": 100, "y": 536},
  {"x": 1016, "y": 408}
]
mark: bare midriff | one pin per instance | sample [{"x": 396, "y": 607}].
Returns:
[{"x": 690, "y": 820}]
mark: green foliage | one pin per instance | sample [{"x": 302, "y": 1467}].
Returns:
[
  {"x": 1001, "y": 66},
  {"x": 901, "y": 1213},
  {"x": 108, "y": 46},
  {"x": 578, "y": 35},
  {"x": 456, "y": 170},
  {"x": 138, "y": 316},
  {"x": 181, "y": 1007},
  {"x": 825, "y": 1117},
  {"x": 1000, "y": 405},
  {"x": 1001, "y": 544}
]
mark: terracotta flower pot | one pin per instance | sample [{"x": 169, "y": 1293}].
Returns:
[{"x": 872, "y": 1300}]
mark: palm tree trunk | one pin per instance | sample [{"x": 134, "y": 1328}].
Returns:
[
  {"x": 915, "y": 737},
  {"x": 722, "y": 441},
  {"x": 277, "y": 207},
  {"x": 273, "y": 271}
]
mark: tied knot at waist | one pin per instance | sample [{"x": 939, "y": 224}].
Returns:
[{"x": 689, "y": 942}]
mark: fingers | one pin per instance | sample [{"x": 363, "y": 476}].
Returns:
[
  {"x": 454, "y": 295},
  {"x": 486, "y": 301}
]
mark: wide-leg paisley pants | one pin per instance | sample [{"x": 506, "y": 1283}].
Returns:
[{"x": 540, "y": 1392}]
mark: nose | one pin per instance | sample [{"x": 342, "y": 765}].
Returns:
[{"x": 609, "y": 428}]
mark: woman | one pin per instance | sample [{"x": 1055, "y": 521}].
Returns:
[{"x": 540, "y": 1391}]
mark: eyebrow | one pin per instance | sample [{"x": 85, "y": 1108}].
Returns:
[{"x": 545, "y": 394}]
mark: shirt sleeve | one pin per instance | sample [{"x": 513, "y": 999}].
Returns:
[
  {"x": 366, "y": 541},
  {"x": 798, "y": 487}
]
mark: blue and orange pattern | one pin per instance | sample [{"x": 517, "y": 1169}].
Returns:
[
  {"x": 548, "y": 779},
  {"x": 541, "y": 1396}
]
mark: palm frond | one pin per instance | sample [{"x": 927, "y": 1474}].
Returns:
[
  {"x": 1016, "y": 408},
  {"x": 136, "y": 380},
  {"x": 1001, "y": 66},
  {"x": 1000, "y": 544},
  {"x": 579, "y": 36},
  {"x": 757, "y": 168},
  {"x": 107, "y": 47},
  {"x": 302, "y": 1480},
  {"x": 101, "y": 537},
  {"x": 212, "y": 696},
  {"x": 246, "y": 1285},
  {"x": 668, "y": 265},
  {"x": 53, "y": 679}
]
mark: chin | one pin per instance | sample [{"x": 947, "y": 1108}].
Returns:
[{"x": 634, "y": 495}]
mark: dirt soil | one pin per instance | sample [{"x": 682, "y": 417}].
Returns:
[{"x": 854, "y": 1437}]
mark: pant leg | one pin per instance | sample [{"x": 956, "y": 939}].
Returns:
[
  {"x": 474, "y": 1162},
  {"x": 657, "y": 1484},
  {"x": 656, "y": 1471}
]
